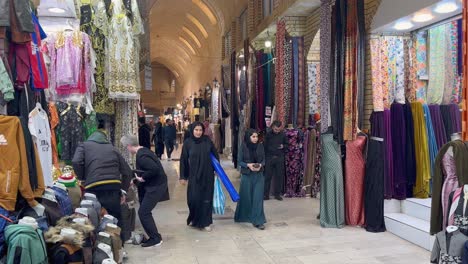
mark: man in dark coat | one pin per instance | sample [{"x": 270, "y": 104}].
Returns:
[
  {"x": 103, "y": 170},
  {"x": 276, "y": 145},
  {"x": 158, "y": 139},
  {"x": 144, "y": 133},
  {"x": 169, "y": 135}
]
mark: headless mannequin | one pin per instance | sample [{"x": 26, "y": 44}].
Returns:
[
  {"x": 68, "y": 234},
  {"x": 49, "y": 195},
  {"x": 451, "y": 229},
  {"x": 107, "y": 249},
  {"x": 39, "y": 209},
  {"x": 91, "y": 196},
  {"x": 28, "y": 221},
  {"x": 82, "y": 211}
]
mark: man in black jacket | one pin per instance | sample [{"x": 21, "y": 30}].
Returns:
[
  {"x": 276, "y": 145},
  {"x": 153, "y": 187},
  {"x": 103, "y": 170},
  {"x": 144, "y": 133},
  {"x": 169, "y": 135}
]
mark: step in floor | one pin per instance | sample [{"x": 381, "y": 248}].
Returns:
[
  {"x": 410, "y": 228},
  {"x": 419, "y": 208}
]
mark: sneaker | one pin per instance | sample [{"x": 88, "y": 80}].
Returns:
[
  {"x": 208, "y": 229},
  {"x": 279, "y": 198},
  {"x": 260, "y": 227},
  {"x": 152, "y": 243}
]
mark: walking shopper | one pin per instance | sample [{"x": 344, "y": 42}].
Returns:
[
  {"x": 153, "y": 182},
  {"x": 196, "y": 168},
  {"x": 144, "y": 133},
  {"x": 103, "y": 170},
  {"x": 252, "y": 162},
  {"x": 276, "y": 145},
  {"x": 169, "y": 135},
  {"x": 158, "y": 139}
]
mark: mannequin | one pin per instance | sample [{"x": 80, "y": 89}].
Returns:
[
  {"x": 68, "y": 233},
  {"x": 114, "y": 232},
  {"x": 66, "y": 245},
  {"x": 49, "y": 196},
  {"x": 28, "y": 221},
  {"x": 81, "y": 221},
  {"x": 455, "y": 136},
  {"x": 92, "y": 214},
  {"x": 90, "y": 196},
  {"x": 107, "y": 219}
]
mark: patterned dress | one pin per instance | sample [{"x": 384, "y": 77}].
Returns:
[{"x": 294, "y": 164}]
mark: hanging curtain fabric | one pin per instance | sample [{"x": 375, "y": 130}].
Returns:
[
  {"x": 315, "y": 189},
  {"x": 314, "y": 88},
  {"x": 423, "y": 171},
  {"x": 389, "y": 165},
  {"x": 234, "y": 110},
  {"x": 391, "y": 68},
  {"x": 409, "y": 53},
  {"x": 295, "y": 81},
  {"x": 399, "y": 151},
  {"x": 437, "y": 49},
  {"x": 361, "y": 59},
  {"x": 302, "y": 86},
  {"x": 279, "y": 70},
  {"x": 431, "y": 138},
  {"x": 420, "y": 82},
  {"x": 341, "y": 71},
  {"x": 288, "y": 91},
  {"x": 350, "y": 78},
  {"x": 260, "y": 92},
  {"x": 294, "y": 164},
  {"x": 126, "y": 123},
  {"x": 399, "y": 71},
  {"x": 452, "y": 85},
  {"x": 438, "y": 124},
  {"x": 325, "y": 58},
  {"x": 410, "y": 159},
  {"x": 377, "y": 73}
]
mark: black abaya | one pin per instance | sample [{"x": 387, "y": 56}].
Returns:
[{"x": 195, "y": 166}]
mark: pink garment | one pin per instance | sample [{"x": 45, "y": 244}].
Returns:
[
  {"x": 450, "y": 184},
  {"x": 208, "y": 131},
  {"x": 453, "y": 208}
]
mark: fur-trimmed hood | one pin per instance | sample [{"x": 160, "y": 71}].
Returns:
[
  {"x": 67, "y": 221},
  {"x": 53, "y": 236}
]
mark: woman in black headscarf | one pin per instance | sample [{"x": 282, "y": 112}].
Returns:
[
  {"x": 196, "y": 168},
  {"x": 252, "y": 161}
]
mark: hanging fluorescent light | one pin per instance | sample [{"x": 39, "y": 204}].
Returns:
[
  {"x": 267, "y": 44},
  {"x": 422, "y": 17},
  {"x": 244, "y": 68},
  {"x": 56, "y": 10},
  {"x": 241, "y": 55},
  {"x": 446, "y": 7},
  {"x": 403, "y": 25}
]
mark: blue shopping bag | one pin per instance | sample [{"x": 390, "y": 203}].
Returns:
[{"x": 218, "y": 198}]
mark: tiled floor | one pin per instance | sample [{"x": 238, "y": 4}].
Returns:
[{"x": 293, "y": 235}]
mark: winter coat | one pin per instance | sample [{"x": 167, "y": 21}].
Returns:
[{"x": 25, "y": 245}]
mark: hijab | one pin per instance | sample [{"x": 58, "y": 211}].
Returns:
[
  {"x": 192, "y": 130},
  {"x": 252, "y": 147}
]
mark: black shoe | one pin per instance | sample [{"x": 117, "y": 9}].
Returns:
[
  {"x": 266, "y": 198},
  {"x": 260, "y": 227},
  {"x": 279, "y": 198},
  {"x": 152, "y": 242}
]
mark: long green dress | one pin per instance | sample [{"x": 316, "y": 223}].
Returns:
[
  {"x": 332, "y": 212},
  {"x": 250, "y": 206}
]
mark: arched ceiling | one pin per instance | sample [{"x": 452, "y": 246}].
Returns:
[{"x": 186, "y": 37}]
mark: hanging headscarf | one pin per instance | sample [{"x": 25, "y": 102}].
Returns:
[
  {"x": 192, "y": 130},
  {"x": 252, "y": 147}
]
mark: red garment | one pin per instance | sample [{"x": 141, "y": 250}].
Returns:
[
  {"x": 40, "y": 79},
  {"x": 19, "y": 57},
  {"x": 354, "y": 181}
]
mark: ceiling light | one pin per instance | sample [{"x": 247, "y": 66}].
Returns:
[
  {"x": 244, "y": 68},
  {"x": 267, "y": 44},
  {"x": 56, "y": 10},
  {"x": 241, "y": 55},
  {"x": 403, "y": 25},
  {"x": 446, "y": 7},
  {"x": 422, "y": 17}
]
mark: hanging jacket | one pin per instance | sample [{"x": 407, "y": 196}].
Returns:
[
  {"x": 25, "y": 245},
  {"x": 63, "y": 250},
  {"x": 14, "y": 171}
]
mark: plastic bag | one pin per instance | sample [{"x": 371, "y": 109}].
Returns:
[{"x": 218, "y": 198}]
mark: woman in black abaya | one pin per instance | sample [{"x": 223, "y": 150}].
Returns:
[{"x": 196, "y": 168}]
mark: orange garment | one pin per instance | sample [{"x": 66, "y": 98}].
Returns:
[
  {"x": 54, "y": 122},
  {"x": 355, "y": 167},
  {"x": 465, "y": 72},
  {"x": 14, "y": 172}
]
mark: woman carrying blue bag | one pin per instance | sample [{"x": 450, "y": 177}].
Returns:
[
  {"x": 196, "y": 169},
  {"x": 252, "y": 161}
]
